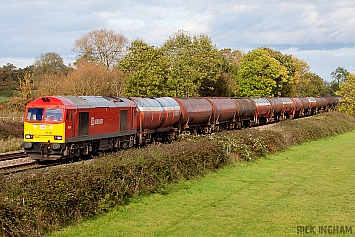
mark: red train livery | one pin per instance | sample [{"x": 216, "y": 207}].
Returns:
[{"x": 58, "y": 127}]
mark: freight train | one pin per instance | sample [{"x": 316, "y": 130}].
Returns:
[{"x": 59, "y": 127}]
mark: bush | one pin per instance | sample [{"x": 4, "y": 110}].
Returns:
[
  {"x": 38, "y": 201},
  {"x": 11, "y": 129},
  {"x": 35, "y": 202}
]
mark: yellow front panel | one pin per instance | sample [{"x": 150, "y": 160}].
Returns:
[{"x": 43, "y": 132}]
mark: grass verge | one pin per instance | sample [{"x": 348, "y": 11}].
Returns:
[{"x": 307, "y": 185}]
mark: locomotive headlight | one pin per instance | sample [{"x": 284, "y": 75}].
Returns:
[
  {"x": 29, "y": 136},
  {"x": 57, "y": 137}
]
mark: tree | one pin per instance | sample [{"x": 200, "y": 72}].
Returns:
[
  {"x": 347, "y": 91},
  {"x": 307, "y": 83},
  {"x": 311, "y": 85},
  {"x": 260, "y": 75},
  {"x": 226, "y": 84},
  {"x": 232, "y": 57},
  {"x": 195, "y": 64},
  {"x": 183, "y": 66},
  {"x": 286, "y": 61},
  {"x": 8, "y": 77},
  {"x": 145, "y": 71},
  {"x": 24, "y": 94},
  {"x": 339, "y": 75},
  {"x": 101, "y": 46},
  {"x": 86, "y": 79},
  {"x": 50, "y": 63}
]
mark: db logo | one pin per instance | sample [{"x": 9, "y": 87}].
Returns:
[{"x": 96, "y": 121}]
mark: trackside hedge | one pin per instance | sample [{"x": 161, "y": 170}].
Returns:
[{"x": 38, "y": 201}]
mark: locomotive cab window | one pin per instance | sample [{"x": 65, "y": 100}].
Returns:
[
  {"x": 35, "y": 114},
  {"x": 54, "y": 114}
]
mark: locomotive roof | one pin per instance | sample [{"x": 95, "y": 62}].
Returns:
[{"x": 96, "y": 101}]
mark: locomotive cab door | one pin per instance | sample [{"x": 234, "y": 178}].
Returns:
[
  {"x": 83, "y": 123},
  {"x": 69, "y": 124},
  {"x": 123, "y": 120}
]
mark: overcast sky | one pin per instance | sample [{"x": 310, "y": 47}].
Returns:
[{"x": 321, "y": 32}]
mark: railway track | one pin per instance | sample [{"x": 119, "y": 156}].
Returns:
[
  {"x": 14, "y": 162},
  {"x": 12, "y": 155},
  {"x": 15, "y": 168},
  {"x": 24, "y": 166}
]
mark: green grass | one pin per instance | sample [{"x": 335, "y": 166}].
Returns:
[
  {"x": 3, "y": 98},
  {"x": 311, "y": 184}
]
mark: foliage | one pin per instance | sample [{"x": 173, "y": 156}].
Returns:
[
  {"x": 38, "y": 201},
  {"x": 11, "y": 129},
  {"x": 285, "y": 86},
  {"x": 48, "y": 64},
  {"x": 308, "y": 83},
  {"x": 311, "y": 85},
  {"x": 195, "y": 64},
  {"x": 11, "y": 135},
  {"x": 24, "y": 94},
  {"x": 233, "y": 58},
  {"x": 339, "y": 76},
  {"x": 9, "y": 78},
  {"x": 101, "y": 46},
  {"x": 347, "y": 92},
  {"x": 261, "y": 75},
  {"x": 226, "y": 84},
  {"x": 183, "y": 66},
  {"x": 33, "y": 203},
  {"x": 145, "y": 70},
  {"x": 87, "y": 79}
]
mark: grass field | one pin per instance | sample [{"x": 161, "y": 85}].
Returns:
[{"x": 305, "y": 188}]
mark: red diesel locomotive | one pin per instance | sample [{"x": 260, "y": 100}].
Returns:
[{"x": 57, "y": 127}]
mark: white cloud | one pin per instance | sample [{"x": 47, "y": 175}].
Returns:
[
  {"x": 322, "y": 31},
  {"x": 323, "y": 62}
]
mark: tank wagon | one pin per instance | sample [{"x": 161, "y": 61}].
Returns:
[
  {"x": 57, "y": 127},
  {"x": 245, "y": 114},
  {"x": 156, "y": 118},
  {"x": 195, "y": 115}
]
